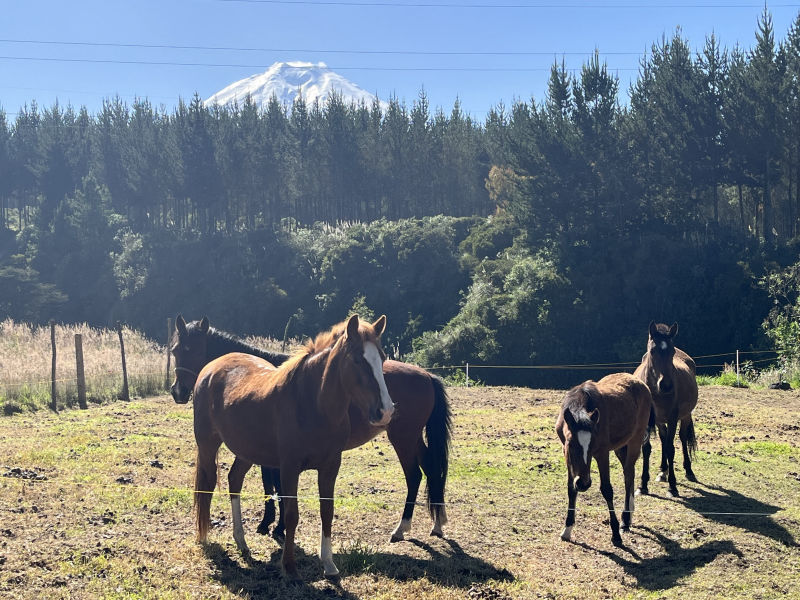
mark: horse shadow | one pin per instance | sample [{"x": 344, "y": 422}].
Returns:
[
  {"x": 729, "y": 507},
  {"x": 666, "y": 571},
  {"x": 262, "y": 579}
]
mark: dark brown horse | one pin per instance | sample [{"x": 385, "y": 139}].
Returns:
[
  {"x": 296, "y": 417},
  {"x": 421, "y": 406},
  {"x": 670, "y": 374},
  {"x": 596, "y": 418}
]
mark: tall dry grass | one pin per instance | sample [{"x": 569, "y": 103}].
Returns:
[{"x": 25, "y": 365}]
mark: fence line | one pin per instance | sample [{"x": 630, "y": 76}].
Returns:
[{"x": 342, "y": 498}]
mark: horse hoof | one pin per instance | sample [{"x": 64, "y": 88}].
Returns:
[
  {"x": 263, "y": 528},
  {"x": 279, "y": 536},
  {"x": 396, "y": 537},
  {"x": 616, "y": 540},
  {"x": 437, "y": 533},
  {"x": 673, "y": 493},
  {"x": 691, "y": 477},
  {"x": 661, "y": 477},
  {"x": 642, "y": 491}
]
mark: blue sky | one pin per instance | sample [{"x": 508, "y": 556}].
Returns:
[{"x": 479, "y": 51}]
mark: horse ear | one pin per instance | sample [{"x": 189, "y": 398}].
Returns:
[
  {"x": 673, "y": 331},
  {"x": 653, "y": 329},
  {"x": 180, "y": 325},
  {"x": 568, "y": 418},
  {"x": 380, "y": 325},
  {"x": 204, "y": 324},
  {"x": 594, "y": 416},
  {"x": 352, "y": 328}
]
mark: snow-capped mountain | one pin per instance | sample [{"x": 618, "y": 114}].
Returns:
[{"x": 285, "y": 80}]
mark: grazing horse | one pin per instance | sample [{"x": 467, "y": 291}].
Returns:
[
  {"x": 596, "y": 418},
  {"x": 421, "y": 406},
  {"x": 295, "y": 417},
  {"x": 671, "y": 376}
]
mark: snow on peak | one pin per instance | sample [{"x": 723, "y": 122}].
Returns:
[{"x": 285, "y": 80}]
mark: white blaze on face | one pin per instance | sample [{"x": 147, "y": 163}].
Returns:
[
  {"x": 663, "y": 345},
  {"x": 584, "y": 439},
  {"x": 373, "y": 357}
]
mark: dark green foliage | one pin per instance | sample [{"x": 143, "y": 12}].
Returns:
[{"x": 570, "y": 223}]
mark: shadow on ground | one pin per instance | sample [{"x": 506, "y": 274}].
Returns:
[
  {"x": 729, "y": 507},
  {"x": 263, "y": 579},
  {"x": 664, "y": 572}
]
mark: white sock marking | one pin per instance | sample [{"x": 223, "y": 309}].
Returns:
[
  {"x": 404, "y": 526},
  {"x": 238, "y": 530},
  {"x": 374, "y": 359},
  {"x": 566, "y": 535},
  {"x": 326, "y": 556}
]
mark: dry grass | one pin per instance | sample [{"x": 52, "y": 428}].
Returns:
[
  {"x": 95, "y": 504},
  {"x": 25, "y": 365}
]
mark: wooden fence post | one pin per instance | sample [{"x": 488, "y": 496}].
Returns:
[
  {"x": 169, "y": 354},
  {"x": 79, "y": 368},
  {"x": 125, "y": 394},
  {"x": 53, "y": 403}
]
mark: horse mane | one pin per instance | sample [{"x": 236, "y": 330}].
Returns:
[
  {"x": 221, "y": 342},
  {"x": 580, "y": 401}
]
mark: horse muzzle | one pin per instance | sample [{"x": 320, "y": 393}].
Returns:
[
  {"x": 382, "y": 417},
  {"x": 582, "y": 484},
  {"x": 180, "y": 394}
]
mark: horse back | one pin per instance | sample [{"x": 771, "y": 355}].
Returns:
[
  {"x": 626, "y": 408},
  {"x": 235, "y": 398},
  {"x": 686, "y": 388}
]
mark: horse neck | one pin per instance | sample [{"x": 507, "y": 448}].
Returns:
[{"x": 219, "y": 343}]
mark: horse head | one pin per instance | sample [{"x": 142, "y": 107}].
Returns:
[
  {"x": 660, "y": 352},
  {"x": 189, "y": 351},
  {"x": 359, "y": 358},
  {"x": 579, "y": 435}
]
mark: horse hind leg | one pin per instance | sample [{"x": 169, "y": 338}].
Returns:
[
  {"x": 235, "y": 480},
  {"x": 413, "y": 475},
  {"x": 689, "y": 446},
  {"x": 646, "y": 448},
  {"x": 269, "y": 503},
  {"x": 435, "y": 469}
]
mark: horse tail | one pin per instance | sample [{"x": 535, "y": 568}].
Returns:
[
  {"x": 691, "y": 438},
  {"x": 205, "y": 480},
  {"x": 438, "y": 431}
]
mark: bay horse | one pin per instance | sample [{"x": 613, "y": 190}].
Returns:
[
  {"x": 296, "y": 417},
  {"x": 670, "y": 374},
  {"x": 421, "y": 404},
  {"x": 614, "y": 413}
]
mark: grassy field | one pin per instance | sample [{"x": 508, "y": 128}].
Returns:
[{"x": 97, "y": 504}]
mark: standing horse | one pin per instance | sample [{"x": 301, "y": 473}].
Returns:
[
  {"x": 295, "y": 417},
  {"x": 596, "y": 418},
  {"x": 421, "y": 405},
  {"x": 670, "y": 374}
]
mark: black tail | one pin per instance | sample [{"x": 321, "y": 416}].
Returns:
[{"x": 438, "y": 430}]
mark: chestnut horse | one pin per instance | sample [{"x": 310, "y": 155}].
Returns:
[
  {"x": 295, "y": 417},
  {"x": 614, "y": 413},
  {"x": 421, "y": 406},
  {"x": 670, "y": 374}
]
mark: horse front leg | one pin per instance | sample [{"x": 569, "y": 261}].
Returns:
[
  {"x": 664, "y": 468},
  {"x": 668, "y": 450},
  {"x": 572, "y": 494},
  {"x": 326, "y": 480},
  {"x": 608, "y": 493},
  {"x": 289, "y": 480},
  {"x": 235, "y": 480}
]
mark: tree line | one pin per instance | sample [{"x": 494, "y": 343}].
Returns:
[{"x": 572, "y": 218}]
